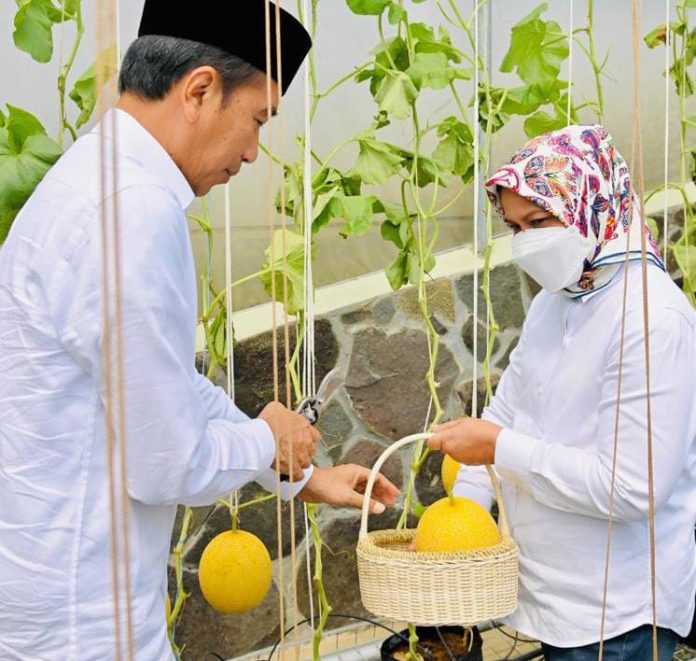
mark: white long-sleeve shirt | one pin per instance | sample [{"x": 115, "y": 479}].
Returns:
[
  {"x": 187, "y": 443},
  {"x": 557, "y": 403}
]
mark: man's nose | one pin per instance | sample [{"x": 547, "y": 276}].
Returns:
[{"x": 251, "y": 152}]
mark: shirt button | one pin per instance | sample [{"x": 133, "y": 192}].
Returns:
[{"x": 539, "y": 390}]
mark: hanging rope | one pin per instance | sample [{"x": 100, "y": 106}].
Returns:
[
  {"x": 113, "y": 380},
  {"x": 229, "y": 331},
  {"x": 637, "y": 166},
  {"x": 477, "y": 185},
  {"x": 274, "y": 338},
  {"x": 308, "y": 362}
]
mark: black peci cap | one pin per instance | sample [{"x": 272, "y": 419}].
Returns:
[{"x": 235, "y": 26}]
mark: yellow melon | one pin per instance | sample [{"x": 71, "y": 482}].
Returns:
[
  {"x": 235, "y": 572},
  {"x": 448, "y": 472},
  {"x": 456, "y": 524}
]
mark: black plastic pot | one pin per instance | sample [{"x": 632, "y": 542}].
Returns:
[{"x": 428, "y": 638}]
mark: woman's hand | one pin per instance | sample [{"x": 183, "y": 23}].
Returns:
[
  {"x": 345, "y": 485},
  {"x": 467, "y": 440}
]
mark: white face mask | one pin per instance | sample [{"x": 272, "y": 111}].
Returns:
[{"x": 553, "y": 256}]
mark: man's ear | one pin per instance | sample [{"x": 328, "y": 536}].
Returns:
[{"x": 199, "y": 87}]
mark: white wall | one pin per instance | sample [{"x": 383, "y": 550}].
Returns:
[{"x": 344, "y": 41}]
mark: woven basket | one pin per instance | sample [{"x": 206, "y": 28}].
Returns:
[{"x": 435, "y": 588}]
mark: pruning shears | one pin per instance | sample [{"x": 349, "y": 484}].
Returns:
[{"x": 311, "y": 407}]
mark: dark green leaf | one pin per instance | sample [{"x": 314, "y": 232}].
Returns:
[
  {"x": 395, "y": 95},
  {"x": 377, "y": 161},
  {"x": 368, "y": 7},
  {"x": 84, "y": 92},
  {"x": 431, "y": 70},
  {"x": 537, "y": 48},
  {"x": 26, "y": 154}
]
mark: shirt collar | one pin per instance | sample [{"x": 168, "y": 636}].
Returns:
[{"x": 135, "y": 141}]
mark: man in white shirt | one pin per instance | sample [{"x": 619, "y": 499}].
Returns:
[
  {"x": 194, "y": 97},
  {"x": 576, "y": 381}
]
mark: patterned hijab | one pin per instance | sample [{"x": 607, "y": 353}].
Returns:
[{"x": 577, "y": 174}]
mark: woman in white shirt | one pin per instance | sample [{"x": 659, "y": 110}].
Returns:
[{"x": 568, "y": 465}]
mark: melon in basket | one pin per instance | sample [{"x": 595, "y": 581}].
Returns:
[{"x": 456, "y": 524}]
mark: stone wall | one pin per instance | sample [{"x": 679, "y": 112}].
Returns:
[{"x": 381, "y": 348}]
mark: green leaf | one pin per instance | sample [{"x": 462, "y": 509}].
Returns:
[
  {"x": 356, "y": 211},
  {"x": 690, "y": 4},
  {"x": 84, "y": 92},
  {"x": 541, "y": 122},
  {"x": 654, "y": 228},
  {"x": 537, "y": 48},
  {"x": 377, "y": 161},
  {"x": 391, "y": 54},
  {"x": 454, "y": 153},
  {"x": 431, "y": 70},
  {"x": 288, "y": 259},
  {"x": 656, "y": 36},
  {"x": 391, "y": 233},
  {"x": 396, "y": 13},
  {"x": 368, "y": 7},
  {"x": 33, "y": 27},
  {"x": 397, "y": 271},
  {"x": 685, "y": 256},
  {"x": 26, "y": 154},
  {"x": 427, "y": 42},
  {"x": 21, "y": 125},
  {"x": 395, "y": 95},
  {"x": 526, "y": 99}
]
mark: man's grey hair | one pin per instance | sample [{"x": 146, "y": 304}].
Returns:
[{"x": 153, "y": 64}]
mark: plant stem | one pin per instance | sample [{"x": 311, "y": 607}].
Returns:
[
  {"x": 323, "y": 605},
  {"x": 65, "y": 70},
  {"x": 596, "y": 68}
]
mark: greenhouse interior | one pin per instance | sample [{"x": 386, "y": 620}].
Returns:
[{"x": 355, "y": 330}]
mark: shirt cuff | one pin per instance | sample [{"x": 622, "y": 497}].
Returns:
[
  {"x": 513, "y": 456},
  {"x": 288, "y": 490},
  {"x": 266, "y": 442}
]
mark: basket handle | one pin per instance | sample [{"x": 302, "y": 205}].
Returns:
[{"x": 502, "y": 514}]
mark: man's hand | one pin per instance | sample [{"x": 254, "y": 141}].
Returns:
[
  {"x": 467, "y": 440},
  {"x": 345, "y": 485},
  {"x": 295, "y": 439}
]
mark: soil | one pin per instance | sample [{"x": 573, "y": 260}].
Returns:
[{"x": 433, "y": 649}]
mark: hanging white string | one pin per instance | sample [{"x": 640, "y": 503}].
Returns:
[
  {"x": 308, "y": 364},
  {"x": 477, "y": 184},
  {"x": 228, "y": 294},
  {"x": 570, "y": 61},
  {"x": 665, "y": 222}
]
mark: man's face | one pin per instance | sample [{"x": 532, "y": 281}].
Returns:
[{"x": 226, "y": 134}]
